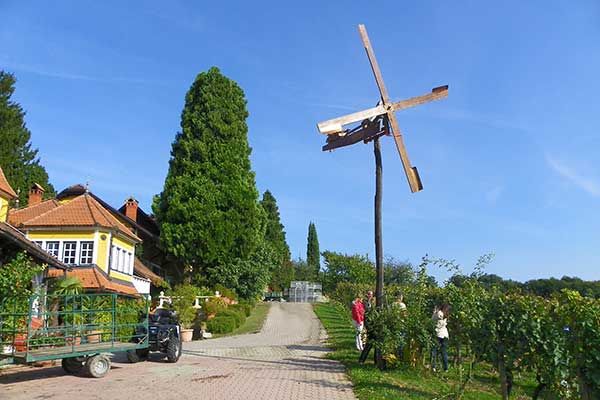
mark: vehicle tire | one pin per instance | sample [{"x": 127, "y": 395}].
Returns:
[
  {"x": 174, "y": 349},
  {"x": 137, "y": 355},
  {"x": 73, "y": 365},
  {"x": 97, "y": 366}
]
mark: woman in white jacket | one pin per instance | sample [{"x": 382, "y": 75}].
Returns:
[{"x": 440, "y": 318}]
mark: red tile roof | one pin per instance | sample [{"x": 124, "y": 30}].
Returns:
[
  {"x": 9, "y": 234},
  {"x": 145, "y": 272},
  {"x": 5, "y": 186},
  {"x": 93, "y": 279},
  {"x": 17, "y": 216},
  {"x": 82, "y": 211}
]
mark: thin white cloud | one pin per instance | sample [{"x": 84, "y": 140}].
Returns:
[
  {"x": 493, "y": 194},
  {"x": 46, "y": 72},
  {"x": 589, "y": 185}
]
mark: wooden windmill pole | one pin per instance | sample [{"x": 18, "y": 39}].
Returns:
[{"x": 374, "y": 123}]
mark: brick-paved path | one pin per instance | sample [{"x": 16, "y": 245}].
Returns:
[{"x": 283, "y": 361}]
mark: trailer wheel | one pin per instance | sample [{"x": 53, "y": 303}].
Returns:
[
  {"x": 137, "y": 355},
  {"x": 97, "y": 366},
  {"x": 173, "y": 349},
  {"x": 73, "y": 365}
]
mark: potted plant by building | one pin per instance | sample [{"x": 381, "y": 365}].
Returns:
[
  {"x": 64, "y": 305},
  {"x": 182, "y": 301}
]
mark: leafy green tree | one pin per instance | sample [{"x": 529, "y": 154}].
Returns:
[
  {"x": 302, "y": 271},
  {"x": 398, "y": 272},
  {"x": 313, "y": 255},
  {"x": 283, "y": 272},
  {"x": 18, "y": 159},
  {"x": 208, "y": 211},
  {"x": 346, "y": 268},
  {"x": 16, "y": 276}
]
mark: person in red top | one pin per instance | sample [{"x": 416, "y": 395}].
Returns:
[{"x": 358, "y": 318}]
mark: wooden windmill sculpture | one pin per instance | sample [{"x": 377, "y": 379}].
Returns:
[{"x": 374, "y": 123}]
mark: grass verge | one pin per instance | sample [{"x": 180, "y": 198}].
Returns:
[
  {"x": 404, "y": 382},
  {"x": 253, "y": 323}
]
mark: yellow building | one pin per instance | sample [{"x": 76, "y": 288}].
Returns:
[
  {"x": 82, "y": 233},
  {"x": 7, "y": 194}
]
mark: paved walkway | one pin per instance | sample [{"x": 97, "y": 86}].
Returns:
[{"x": 283, "y": 361}]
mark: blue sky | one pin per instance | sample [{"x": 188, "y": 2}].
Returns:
[{"x": 510, "y": 161}]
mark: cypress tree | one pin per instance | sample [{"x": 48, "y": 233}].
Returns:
[
  {"x": 18, "y": 159},
  {"x": 208, "y": 211},
  {"x": 313, "y": 256},
  {"x": 283, "y": 272}
]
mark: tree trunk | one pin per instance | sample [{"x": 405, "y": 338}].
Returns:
[{"x": 503, "y": 373}]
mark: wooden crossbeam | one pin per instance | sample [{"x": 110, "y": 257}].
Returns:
[
  {"x": 335, "y": 126},
  {"x": 365, "y": 134}
]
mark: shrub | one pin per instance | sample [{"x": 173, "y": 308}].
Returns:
[
  {"x": 221, "y": 324},
  {"x": 345, "y": 292},
  {"x": 215, "y": 305},
  {"x": 225, "y": 292},
  {"x": 246, "y": 309},
  {"x": 183, "y": 297},
  {"x": 238, "y": 316}
]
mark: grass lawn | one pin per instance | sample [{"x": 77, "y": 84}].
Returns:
[
  {"x": 253, "y": 323},
  {"x": 404, "y": 382}
]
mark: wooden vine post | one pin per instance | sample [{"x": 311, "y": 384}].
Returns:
[{"x": 374, "y": 123}]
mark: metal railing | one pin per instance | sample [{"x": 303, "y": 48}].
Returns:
[{"x": 45, "y": 327}]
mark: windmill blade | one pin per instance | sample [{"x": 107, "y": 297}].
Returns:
[
  {"x": 335, "y": 125},
  {"x": 374, "y": 65},
  {"x": 437, "y": 93},
  {"x": 412, "y": 175}
]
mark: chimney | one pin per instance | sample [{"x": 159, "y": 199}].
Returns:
[
  {"x": 35, "y": 195},
  {"x": 131, "y": 207}
]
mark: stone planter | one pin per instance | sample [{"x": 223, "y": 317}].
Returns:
[{"x": 186, "y": 335}]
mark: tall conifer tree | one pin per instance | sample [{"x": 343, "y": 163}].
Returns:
[
  {"x": 313, "y": 255},
  {"x": 283, "y": 272},
  {"x": 18, "y": 159},
  {"x": 208, "y": 212}
]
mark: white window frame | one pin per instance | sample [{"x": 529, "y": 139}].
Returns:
[
  {"x": 57, "y": 249},
  {"x": 88, "y": 251},
  {"x": 121, "y": 260},
  {"x": 74, "y": 254}
]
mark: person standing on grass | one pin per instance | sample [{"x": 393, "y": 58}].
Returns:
[
  {"x": 368, "y": 304},
  {"x": 358, "y": 318},
  {"x": 399, "y": 303},
  {"x": 440, "y": 318}
]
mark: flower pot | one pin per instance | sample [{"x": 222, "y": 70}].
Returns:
[
  {"x": 186, "y": 335},
  {"x": 94, "y": 336}
]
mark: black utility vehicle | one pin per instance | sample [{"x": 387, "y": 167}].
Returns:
[{"x": 164, "y": 335}]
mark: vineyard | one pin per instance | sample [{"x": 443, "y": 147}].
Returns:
[{"x": 555, "y": 340}]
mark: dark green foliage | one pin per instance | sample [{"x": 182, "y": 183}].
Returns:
[
  {"x": 208, "y": 211},
  {"x": 183, "y": 300},
  {"x": 225, "y": 292},
  {"x": 302, "y": 271},
  {"x": 313, "y": 255},
  {"x": 283, "y": 273},
  {"x": 18, "y": 160},
  {"x": 238, "y": 316},
  {"x": 16, "y": 276},
  {"x": 221, "y": 324},
  {"x": 246, "y": 309}
]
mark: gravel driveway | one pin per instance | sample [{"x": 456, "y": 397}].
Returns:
[{"x": 283, "y": 361}]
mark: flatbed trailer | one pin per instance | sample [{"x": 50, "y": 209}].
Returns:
[{"x": 80, "y": 329}]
